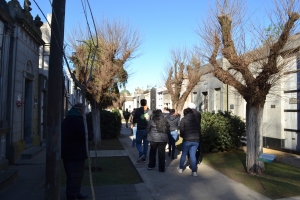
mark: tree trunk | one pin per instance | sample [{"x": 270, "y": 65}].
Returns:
[
  {"x": 179, "y": 107},
  {"x": 254, "y": 139},
  {"x": 96, "y": 123}
]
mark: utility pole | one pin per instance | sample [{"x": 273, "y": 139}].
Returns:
[{"x": 55, "y": 101}]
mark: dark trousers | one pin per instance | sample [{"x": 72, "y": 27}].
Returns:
[
  {"x": 161, "y": 147},
  {"x": 74, "y": 170},
  {"x": 171, "y": 145},
  {"x": 126, "y": 120}
]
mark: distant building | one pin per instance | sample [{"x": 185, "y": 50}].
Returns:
[{"x": 128, "y": 104}]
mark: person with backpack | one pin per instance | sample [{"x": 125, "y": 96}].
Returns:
[{"x": 141, "y": 118}]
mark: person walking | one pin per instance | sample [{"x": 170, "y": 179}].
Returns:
[
  {"x": 126, "y": 116},
  {"x": 158, "y": 129},
  {"x": 166, "y": 111},
  {"x": 73, "y": 151},
  {"x": 189, "y": 131},
  {"x": 197, "y": 114},
  {"x": 134, "y": 127},
  {"x": 174, "y": 122},
  {"x": 141, "y": 117}
]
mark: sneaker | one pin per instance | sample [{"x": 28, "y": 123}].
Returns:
[
  {"x": 150, "y": 168},
  {"x": 194, "y": 174},
  {"x": 179, "y": 170},
  {"x": 140, "y": 158},
  {"x": 144, "y": 160}
]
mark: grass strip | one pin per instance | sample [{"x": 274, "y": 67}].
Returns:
[
  {"x": 107, "y": 144},
  {"x": 279, "y": 180},
  {"x": 117, "y": 170}
]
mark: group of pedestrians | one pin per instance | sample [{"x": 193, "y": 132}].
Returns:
[
  {"x": 155, "y": 127},
  {"x": 161, "y": 128}
]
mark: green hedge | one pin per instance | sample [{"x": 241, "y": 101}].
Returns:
[
  {"x": 110, "y": 123},
  {"x": 221, "y": 131}
]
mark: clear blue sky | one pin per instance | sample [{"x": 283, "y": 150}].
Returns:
[{"x": 164, "y": 24}]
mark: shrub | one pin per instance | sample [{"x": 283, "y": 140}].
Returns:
[
  {"x": 110, "y": 123},
  {"x": 221, "y": 131}
]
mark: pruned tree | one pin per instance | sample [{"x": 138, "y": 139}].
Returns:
[
  {"x": 57, "y": 52},
  {"x": 252, "y": 70},
  {"x": 183, "y": 74},
  {"x": 118, "y": 43}
]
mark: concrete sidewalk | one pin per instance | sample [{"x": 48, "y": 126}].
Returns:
[
  {"x": 209, "y": 184},
  {"x": 170, "y": 185}
]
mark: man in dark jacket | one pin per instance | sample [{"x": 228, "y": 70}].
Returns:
[
  {"x": 126, "y": 116},
  {"x": 141, "y": 117},
  {"x": 73, "y": 151}
]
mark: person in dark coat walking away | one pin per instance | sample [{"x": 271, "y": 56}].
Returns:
[
  {"x": 189, "y": 131},
  {"x": 73, "y": 151},
  {"x": 126, "y": 116},
  {"x": 166, "y": 111},
  {"x": 199, "y": 153},
  {"x": 141, "y": 117},
  {"x": 158, "y": 129},
  {"x": 174, "y": 122}
]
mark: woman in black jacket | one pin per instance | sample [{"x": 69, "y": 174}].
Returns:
[
  {"x": 189, "y": 131},
  {"x": 174, "y": 122},
  {"x": 158, "y": 129}
]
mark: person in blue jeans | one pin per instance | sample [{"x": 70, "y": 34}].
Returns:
[
  {"x": 134, "y": 136},
  {"x": 141, "y": 117},
  {"x": 174, "y": 122},
  {"x": 189, "y": 131},
  {"x": 133, "y": 128},
  {"x": 197, "y": 114}
]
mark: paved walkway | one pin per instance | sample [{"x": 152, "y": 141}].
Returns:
[{"x": 170, "y": 185}]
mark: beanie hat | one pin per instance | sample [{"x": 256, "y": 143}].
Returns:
[{"x": 192, "y": 105}]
